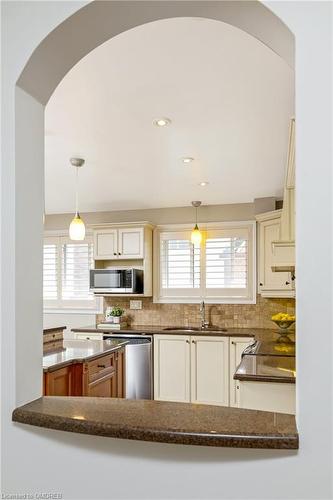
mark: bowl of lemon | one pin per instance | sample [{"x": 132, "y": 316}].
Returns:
[{"x": 283, "y": 321}]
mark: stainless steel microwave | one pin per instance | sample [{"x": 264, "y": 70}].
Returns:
[{"x": 116, "y": 280}]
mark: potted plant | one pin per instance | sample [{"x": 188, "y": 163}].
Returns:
[{"x": 116, "y": 314}]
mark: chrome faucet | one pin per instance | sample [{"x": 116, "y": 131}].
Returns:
[{"x": 204, "y": 323}]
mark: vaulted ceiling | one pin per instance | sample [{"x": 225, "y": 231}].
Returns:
[{"x": 229, "y": 99}]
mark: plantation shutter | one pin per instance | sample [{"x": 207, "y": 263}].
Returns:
[
  {"x": 77, "y": 260},
  {"x": 50, "y": 271},
  {"x": 179, "y": 265},
  {"x": 66, "y": 268},
  {"x": 228, "y": 270}
]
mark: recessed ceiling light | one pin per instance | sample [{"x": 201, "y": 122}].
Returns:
[
  {"x": 203, "y": 183},
  {"x": 162, "y": 122},
  {"x": 187, "y": 159}
]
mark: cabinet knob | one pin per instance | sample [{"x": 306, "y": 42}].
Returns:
[
  {"x": 233, "y": 343},
  {"x": 287, "y": 282},
  {"x": 187, "y": 341},
  {"x": 193, "y": 341},
  {"x": 119, "y": 253},
  {"x": 261, "y": 284}
]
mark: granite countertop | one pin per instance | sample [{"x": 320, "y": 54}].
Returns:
[
  {"x": 151, "y": 330},
  {"x": 54, "y": 329},
  {"x": 265, "y": 368},
  {"x": 80, "y": 351},
  {"x": 165, "y": 422}
]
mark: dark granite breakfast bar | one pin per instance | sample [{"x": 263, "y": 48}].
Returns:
[{"x": 164, "y": 422}]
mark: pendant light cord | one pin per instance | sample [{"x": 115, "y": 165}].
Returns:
[{"x": 77, "y": 190}]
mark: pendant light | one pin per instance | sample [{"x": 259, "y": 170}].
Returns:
[
  {"x": 196, "y": 235},
  {"x": 77, "y": 230}
]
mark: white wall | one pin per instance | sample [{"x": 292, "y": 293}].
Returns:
[
  {"x": 73, "y": 320},
  {"x": 40, "y": 460}
]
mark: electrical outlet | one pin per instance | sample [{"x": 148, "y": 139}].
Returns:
[{"x": 135, "y": 304}]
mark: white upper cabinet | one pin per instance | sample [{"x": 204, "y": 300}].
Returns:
[
  {"x": 237, "y": 346},
  {"x": 106, "y": 244},
  {"x": 210, "y": 370},
  {"x": 271, "y": 284},
  {"x": 131, "y": 243},
  {"x": 120, "y": 242}
]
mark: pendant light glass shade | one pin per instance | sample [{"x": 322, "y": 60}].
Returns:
[
  {"x": 77, "y": 230},
  {"x": 196, "y": 236}
]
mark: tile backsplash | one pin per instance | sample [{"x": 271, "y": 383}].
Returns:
[{"x": 223, "y": 315}]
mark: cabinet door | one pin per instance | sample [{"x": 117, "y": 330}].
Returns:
[
  {"x": 267, "y": 396},
  {"x": 172, "y": 368},
  {"x": 58, "y": 383},
  {"x": 120, "y": 355},
  {"x": 269, "y": 281},
  {"x": 237, "y": 346},
  {"x": 210, "y": 370},
  {"x": 130, "y": 243},
  {"x": 104, "y": 387},
  {"x": 106, "y": 244}
]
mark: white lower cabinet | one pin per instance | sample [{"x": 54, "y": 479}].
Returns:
[
  {"x": 237, "y": 346},
  {"x": 210, "y": 370},
  {"x": 88, "y": 335},
  {"x": 267, "y": 396},
  {"x": 191, "y": 369},
  {"x": 172, "y": 368}
]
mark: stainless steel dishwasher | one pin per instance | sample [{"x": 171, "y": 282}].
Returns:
[{"x": 138, "y": 364}]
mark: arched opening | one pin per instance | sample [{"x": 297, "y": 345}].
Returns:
[
  {"x": 253, "y": 18},
  {"x": 23, "y": 301}
]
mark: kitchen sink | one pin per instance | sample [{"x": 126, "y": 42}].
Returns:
[{"x": 194, "y": 329}]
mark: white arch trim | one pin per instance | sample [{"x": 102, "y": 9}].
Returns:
[{"x": 99, "y": 21}]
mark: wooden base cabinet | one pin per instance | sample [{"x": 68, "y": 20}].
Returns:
[
  {"x": 101, "y": 377},
  {"x": 236, "y": 348},
  {"x": 191, "y": 369},
  {"x": 59, "y": 382}
]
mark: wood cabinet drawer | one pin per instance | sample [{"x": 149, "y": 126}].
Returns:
[
  {"x": 100, "y": 367},
  {"x": 48, "y": 347},
  {"x": 52, "y": 336}
]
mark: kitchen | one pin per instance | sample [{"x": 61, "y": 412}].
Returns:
[{"x": 162, "y": 297}]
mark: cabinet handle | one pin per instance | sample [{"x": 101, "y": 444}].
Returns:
[
  {"x": 100, "y": 366},
  {"x": 287, "y": 282},
  {"x": 237, "y": 386},
  {"x": 87, "y": 338}
]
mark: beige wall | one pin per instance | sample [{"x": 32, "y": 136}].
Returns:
[{"x": 209, "y": 213}]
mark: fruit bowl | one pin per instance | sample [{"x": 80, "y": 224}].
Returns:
[
  {"x": 283, "y": 321},
  {"x": 283, "y": 324}
]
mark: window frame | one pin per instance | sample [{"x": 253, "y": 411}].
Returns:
[
  {"x": 60, "y": 305},
  {"x": 209, "y": 295}
]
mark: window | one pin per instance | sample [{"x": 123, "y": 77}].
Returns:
[
  {"x": 66, "y": 274},
  {"x": 220, "y": 270}
]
